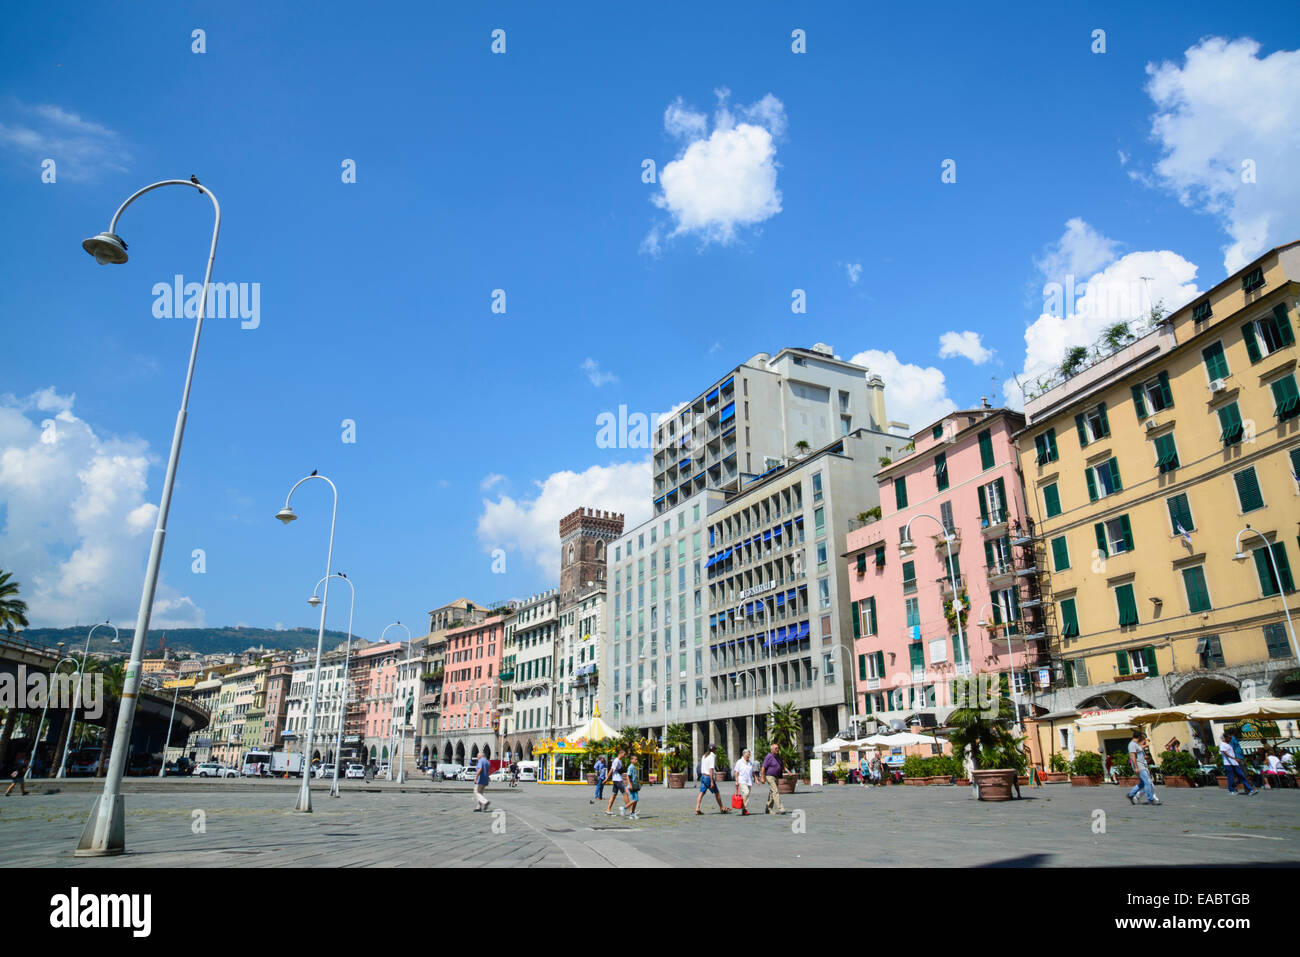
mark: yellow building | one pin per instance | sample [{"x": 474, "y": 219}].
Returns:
[{"x": 1140, "y": 471}]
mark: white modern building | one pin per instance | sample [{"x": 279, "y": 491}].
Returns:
[{"x": 528, "y": 673}]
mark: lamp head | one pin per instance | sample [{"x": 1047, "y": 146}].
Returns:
[
  {"x": 106, "y": 248},
  {"x": 905, "y": 546},
  {"x": 286, "y": 515},
  {"x": 1239, "y": 557},
  {"x": 314, "y": 600}
]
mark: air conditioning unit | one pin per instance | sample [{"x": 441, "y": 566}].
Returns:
[
  {"x": 1150, "y": 425},
  {"x": 1218, "y": 385}
]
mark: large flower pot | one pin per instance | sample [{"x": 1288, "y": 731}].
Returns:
[
  {"x": 995, "y": 783},
  {"x": 940, "y": 779},
  {"x": 591, "y": 779},
  {"x": 916, "y": 782},
  {"x": 1178, "y": 781},
  {"x": 1055, "y": 777},
  {"x": 1085, "y": 780},
  {"x": 962, "y": 782},
  {"x": 1022, "y": 779},
  {"x": 721, "y": 774},
  {"x": 1127, "y": 782},
  {"x": 1221, "y": 781},
  {"x": 676, "y": 780},
  {"x": 786, "y": 784}
]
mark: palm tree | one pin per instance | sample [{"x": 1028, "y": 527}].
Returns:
[
  {"x": 13, "y": 610},
  {"x": 114, "y": 677},
  {"x": 976, "y": 728},
  {"x": 784, "y": 728},
  {"x": 803, "y": 446}
]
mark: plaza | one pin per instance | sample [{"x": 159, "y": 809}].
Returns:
[{"x": 250, "y": 823}]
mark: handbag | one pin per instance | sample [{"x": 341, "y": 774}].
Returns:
[{"x": 737, "y": 802}]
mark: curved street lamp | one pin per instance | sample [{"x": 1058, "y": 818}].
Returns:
[
  {"x": 287, "y": 515},
  {"x": 105, "y": 831},
  {"x": 401, "y": 771},
  {"x": 36, "y": 741},
  {"x": 76, "y": 695},
  {"x": 1277, "y": 576},
  {"x": 347, "y": 653}
]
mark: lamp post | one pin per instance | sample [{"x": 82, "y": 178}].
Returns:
[
  {"x": 851, "y": 687},
  {"x": 401, "y": 772},
  {"x": 36, "y": 741},
  {"x": 1011, "y": 661},
  {"x": 343, "y": 706},
  {"x": 168, "y": 740},
  {"x": 287, "y": 515},
  {"x": 76, "y": 695},
  {"x": 105, "y": 830},
  {"x": 1241, "y": 556}
]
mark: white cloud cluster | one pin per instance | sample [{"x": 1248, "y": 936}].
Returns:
[
  {"x": 530, "y": 528},
  {"x": 966, "y": 344},
  {"x": 595, "y": 375},
  {"x": 853, "y": 271},
  {"x": 77, "y": 524},
  {"x": 914, "y": 394},
  {"x": 1228, "y": 124},
  {"x": 81, "y": 149},
  {"x": 1080, "y": 252},
  {"x": 723, "y": 180}
]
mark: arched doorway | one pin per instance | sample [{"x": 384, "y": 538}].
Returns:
[
  {"x": 1285, "y": 685},
  {"x": 460, "y": 752},
  {"x": 373, "y": 753},
  {"x": 424, "y": 756},
  {"x": 530, "y": 750},
  {"x": 446, "y": 754},
  {"x": 383, "y": 755},
  {"x": 487, "y": 751},
  {"x": 474, "y": 753},
  {"x": 1208, "y": 687}
]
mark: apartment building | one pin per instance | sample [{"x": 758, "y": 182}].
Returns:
[
  {"x": 471, "y": 687},
  {"x": 528, "y": 673},
  {"x": 329, "y": 707},
  {"x": 1163, "y": 482},
  {"x": 952, "y": 509},
  {"x": 432, "y": 650}
]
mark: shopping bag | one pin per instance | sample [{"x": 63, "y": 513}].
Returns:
[{"x": 737, "y": 802}]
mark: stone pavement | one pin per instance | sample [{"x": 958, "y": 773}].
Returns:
[{"x": 252, "y": 824}]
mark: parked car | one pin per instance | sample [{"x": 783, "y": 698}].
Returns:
[
  {"x": 382, "y": 769},
  {"x": 528, "y": 771},
  {"x": 178, "y": 768},
  {"x": 211, "y": 769},
  {"x": 468, "y": 774},
  {"x": 325, "y": 771},
  {"x": 447, "y": 772},
  {"x": 355, "y": 771},
  {"x": 85, "y": 761}
]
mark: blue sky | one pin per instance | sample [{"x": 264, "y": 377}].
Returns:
[{"x": 522, "y": 171}]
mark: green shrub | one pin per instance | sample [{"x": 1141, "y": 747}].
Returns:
[
  {"x": 914, "y": 767},
  {"x": 1058, "y": 763},
  {"x": 1178, "y": 763},
  {"x": 1087, "y": 764}
]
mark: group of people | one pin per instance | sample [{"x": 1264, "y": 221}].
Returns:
[{"x": 623, "y": 779}]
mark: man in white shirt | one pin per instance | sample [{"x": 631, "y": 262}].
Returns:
[
  {"x": 616, "y": 784},
  {"x": 707, "y": 782},
  {"x": 744, "y": 778}
]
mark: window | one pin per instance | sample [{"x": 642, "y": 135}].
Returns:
[
  {"x": 1092, "y": 425},
  {"x": 1045, "y": 443},
  {"x": 1198, "y": 597},
  {"x": 1201, "y": 312},
  {"x": 945, "y": 518},
  {"x": 824, "y": 592},
  {"x": 821, "y": 556},
  {"x": 1230, "y": 428},
  {"x": 1248, "y": 493},
  {"x": 1295, "y": 464},
  {"x": 941, "y": 468},
  {"x": 1051, "y": 500},
  {"x": 1127, "y": 605},
  {"x": 817, "y": 487},
  {"x": 1266, "y": 335},
  {"x": 937, "y": 431},
  {"x": 1210, "y": 650},
  {"x": 913, "y": 611},
  {"x": 992, "y": 502},
  {"x": 1103, "y": 479},
  {"x": 1216, "y": 363},
  {"x": 862, "y": 563},
  {"x": 1114, "y": 537},
  {"x": 880, "y": 556},
  {"x": 1275, "y": 637},
  {"x": 909, "y": 578},
  {"x": 1268, "y": 579},
  {"x": 1006, "y": 608},
  {"x": 1137, "y": 661},
  {"x": 1076, "y": 673},
  {"x": 1286, "y": 400},
  {"x": 986, "y": 449},
  {"x": 819, "y": 521},
  {"x": 1060, "y": 554},
  {"x": 867, "y": 609},
  {"x": 1152, "y": 396},
  {"x": 1166, "y": 453},
  {"x": 1253, "y": 280},
  {"x": 1180, "y": 514},
  {"x": 916, "y": 655},
  {"x": 1069, "y": 619},
  {"x": 900, "y": 492}
]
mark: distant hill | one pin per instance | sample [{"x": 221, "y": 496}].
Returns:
[{"x": 207, "y": 641}]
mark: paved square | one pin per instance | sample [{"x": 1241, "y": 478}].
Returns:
[{"x": 251, "y": 823}]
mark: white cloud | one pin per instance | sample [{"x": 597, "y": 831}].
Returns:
[
  {"x": 1080, "y": 252},
  {"x": 492, "y": 478},
  {"x": 965, "y": 344},
  {"x": 81, "y": 149},
  {"x": 853, "y": 271},
  {"x": 594, "y": 375},
  {"x": 77, "y": 523},
  {"x": 722, "y": 181},
  {"x": 1223, "y": 107},
  {"x": 530, "y": 528},
  {"x": 913, "y": 394}
]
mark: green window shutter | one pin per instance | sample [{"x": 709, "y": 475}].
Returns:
[
  {"x": 857, "y": 619},
  {"x": 1283, "y": 566},
  {"x": 1230, "y": 429},
  {"x": 1069, "y": 619},
  {"x": 1248, "y": 490},
  {"x": 937, "y": 431},
  {"x": 871, "y": 615},
  {"x": 1139, "y": 402},
  {"x": 1284, "y": 334},
  {"x": 1149, "y": 656},
  {"x": 1051, "y": 446},
  {"x": 1198, "y": 597},
  {"x": 1015, "y": 605},
  {"x": 916, "y": 655},
  {"x": 900, "y": 492},
  {"x": 1060, "y": 554},
  {"x": 1113, "y": 464},
  {"x": 1165, "y": 395},
  {"x": 1040, "y": 447},
  {"x": 986, "y": 448},
  {"x": 880, "y": 664},
  {"x": 1128, "y": 613},
  {"x": 1180, "y": 514},
  {"x": 1267, "y": 581},
  {"x": 941, "y": 471},
  {"x": 1002, "y": 497},
  {"x": 862, "y": 670},
  {"x": 1127, "y": 531},
  {"x": 1286, "y": 401},
  {"x": 1252, "y": 347},
  {"x": 1121, "y": 660},
  {"x": 1100, "y": 529},
  {"x": 997, "y": 609},
  {"x": 1166, "y": 453},
  {"x": 1295, "y": 463},
  {"x": 1092, "y": 484},
  {"x": 1105, "y": 422},
  {"x": 984, "y": 506},
  {"x": 862, "y": 563},
  {"x": 880, "y": 556},
  {"x": 1216, "y": 363},
  {"x": 1078, "y": 427},
  {"x": 1052, "y": 500},
  {"x": 954, "y": 566},
  {"x": 988, "y": 554}
]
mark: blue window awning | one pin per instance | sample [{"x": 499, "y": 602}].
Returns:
[
  {"x": 711, "y": 562},
  {"x": 803, "y": 630},
  {"x": 776, "y": 532},
  {"x": 727, "y": 385},
  {"x": 684, "y": 462},
  {"x": 726, "y": 554},
  {"x": 712, "y": 396},
  {"x": 728, "y": 411},
  {"x": 780, "y": 600},
  {"x": 767, "y": 536}
]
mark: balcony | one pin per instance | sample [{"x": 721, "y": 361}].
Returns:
[{"x": 995, "y": 523}]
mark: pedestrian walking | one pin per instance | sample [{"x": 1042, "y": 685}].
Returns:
[
  {"x": 17, "y": 772},
  {"x": 875, "y": 769},
  {"x": 1137, "y": 756},
  {"x": 773, "y": 768},
  {"x": 744, "y": 780},
  {"x": 633, "y": 787},
  {"x": 864, "y": 770},
  {"x": 1232, "y": 765},
  {"x": 481, "y": 782},
  {"x": 600, "y": 779},
  {"x": 707, "y": 782},
  {"x": 617, "y": 785}
]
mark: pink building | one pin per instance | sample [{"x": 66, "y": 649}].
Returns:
[
  {"x": 963, "y": 472},
  {"x": 471, "y": 689}
]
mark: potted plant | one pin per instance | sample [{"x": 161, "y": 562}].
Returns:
[
  {"x": 1179, "y": 769},
  {"x": 981, "y": 728},
  {"x": 722, "y": 766},
  {"x": 1220, "y": 778},
  {"x": 1127, "y": 776},
  {"x": 785, "y": 723},
  {"x": 1060, "y": 769},
  {"x": 1074, "y": 359},
  {"x": 914, "y": 771},
  {"x": 678, "y": 744},
  {"x": 1086, "y": 769}
]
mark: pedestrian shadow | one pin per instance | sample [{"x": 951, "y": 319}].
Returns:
[{"x": 1027, "y": 860}]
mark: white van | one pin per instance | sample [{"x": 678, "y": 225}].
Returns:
[{"x": 528, "y": 770}]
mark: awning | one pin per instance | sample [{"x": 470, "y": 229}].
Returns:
[
  {"x": 712, "y": 396},
  {"x": 780, "y": 600},
  {"x": 767, "y": 536},
  {"x": 776, "y": 532},
  {"x": 728, "y": 411}
]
